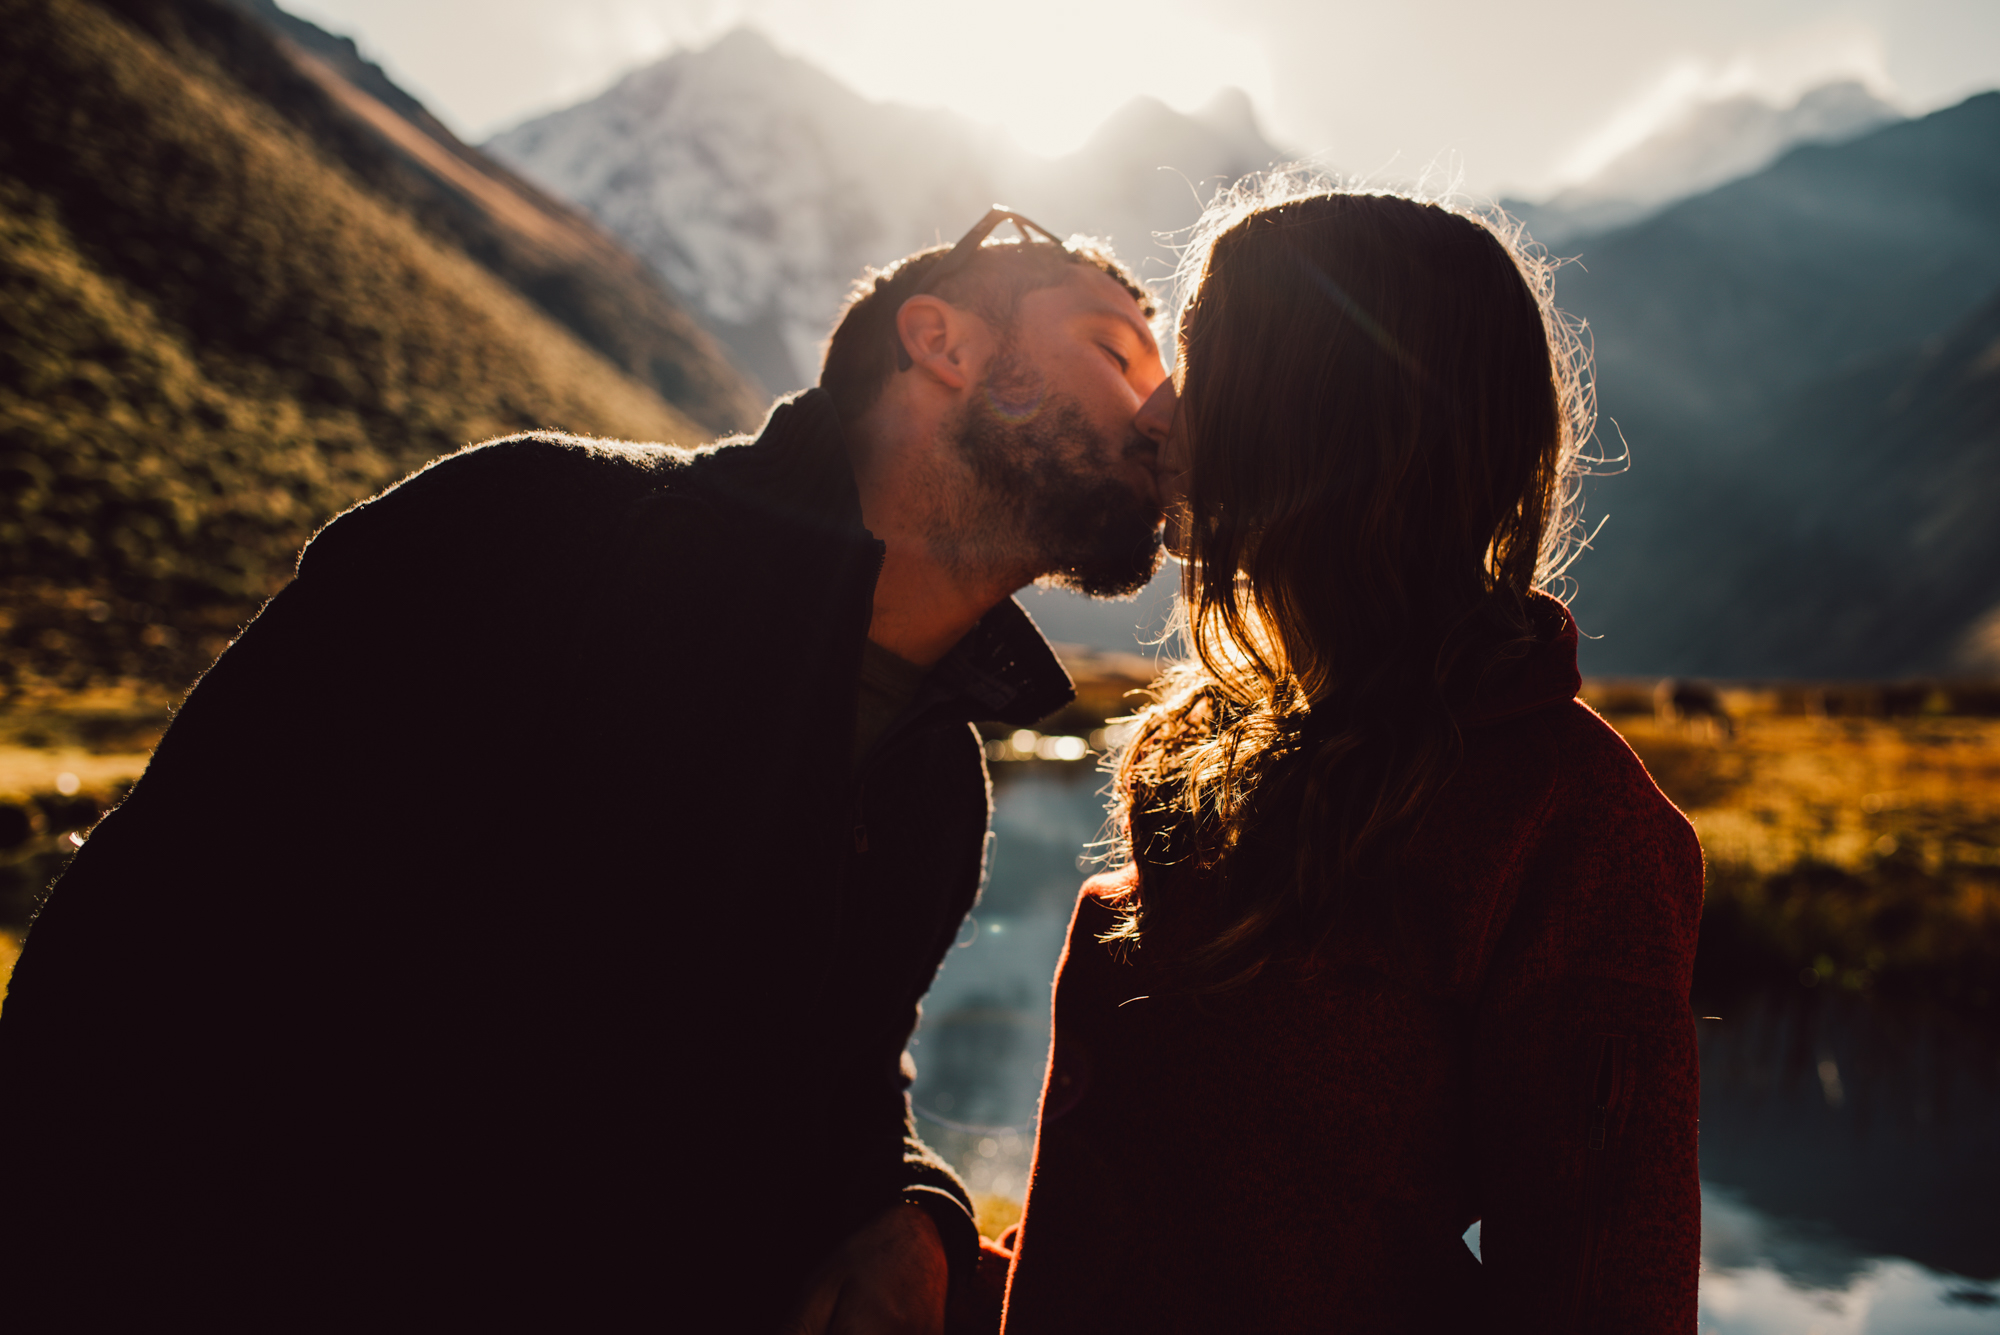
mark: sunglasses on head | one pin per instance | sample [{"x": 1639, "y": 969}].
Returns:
[{"x": 963, "y": 253}]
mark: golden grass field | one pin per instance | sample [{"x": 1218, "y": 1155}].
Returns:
[
  {"x": 1846, "y": 792},
  {"x": 1861, "y": 850},
  {"x": 1848, "y": 850}
]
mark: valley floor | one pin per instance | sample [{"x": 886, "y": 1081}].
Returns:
[{"x": 1845, "y": 849}]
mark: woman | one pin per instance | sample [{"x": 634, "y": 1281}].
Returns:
[{"x": 1404, "y": 931}]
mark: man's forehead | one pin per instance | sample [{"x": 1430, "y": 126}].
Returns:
[{"x": 1092, "y": 292}]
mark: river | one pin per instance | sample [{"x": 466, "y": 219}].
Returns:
[{"x": 1850, "y": 1151}]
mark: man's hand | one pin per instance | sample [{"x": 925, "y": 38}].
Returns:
[{"x": 889, "y": 1278}]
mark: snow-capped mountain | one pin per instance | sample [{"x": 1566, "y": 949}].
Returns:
[
  {"x": 761, "y": 187},
  {"x": 1712, "y": 143}
]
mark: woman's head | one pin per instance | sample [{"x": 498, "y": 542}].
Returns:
[
  {"x": 1379, "y": 411},
  {"x": 1379, "y": 416}
]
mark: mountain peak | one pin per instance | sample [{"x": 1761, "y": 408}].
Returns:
[
  {"x": 743, "y": 57},
  {"x": 1147, "y": 126},
  {"x": 744, "y": 48},
  {"x": 1841, "y": 106},
  {"x": 762, "y": 187},
  {"x": 1231, "y": 114},
  {"x": 1708, "y": 145},
  {"x": 1141, "y": 115}
]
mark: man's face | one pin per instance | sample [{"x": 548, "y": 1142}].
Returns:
[{"x": 1067, "y": 475}]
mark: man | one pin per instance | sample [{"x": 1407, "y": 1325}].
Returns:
[{"x": 523, "y": 922}]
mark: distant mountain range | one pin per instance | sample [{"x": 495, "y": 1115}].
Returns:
[
  {"x": 1796, "y": 359},
  {"x": 761, "y": 187},
  {"x": 246, "y": 282},
  {"x": 1885, "y": 480},
  {"x": 1741, "y": 271},
  {"x": 1709, "y": 145}
]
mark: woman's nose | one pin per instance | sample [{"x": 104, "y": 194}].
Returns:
[{"x": 1156, "y": 415}]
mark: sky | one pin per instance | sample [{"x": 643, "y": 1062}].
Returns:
[{"x": 1498, "y": 98}]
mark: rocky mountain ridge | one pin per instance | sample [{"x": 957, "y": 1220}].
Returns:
[
  {"x": 761, "y": 187},
  {"x": 1709, "y": 145}
]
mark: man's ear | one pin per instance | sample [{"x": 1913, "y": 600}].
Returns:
[{"x": 937, "y": 335}]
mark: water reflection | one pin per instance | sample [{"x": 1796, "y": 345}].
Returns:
[
  {"x": 1850, "y": 1160},
  {"x": 985, "y": 1032},
  {"x": 1850, "y": 1167},
  {"x": 1881, "y": 1124},
  {"x": 1762, "y": 1275}
]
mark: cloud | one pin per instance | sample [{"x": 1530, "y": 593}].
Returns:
[{"x": 1777, "y": 71}]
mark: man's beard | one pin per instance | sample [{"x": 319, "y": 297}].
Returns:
[{"x": 1050, "y": 491}]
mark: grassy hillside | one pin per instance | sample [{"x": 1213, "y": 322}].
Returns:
[
  {"x": 213, "y": 337},
  {"x": 542, "y": 247}
]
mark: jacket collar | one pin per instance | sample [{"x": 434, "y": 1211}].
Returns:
[
  {"x": 797, "y": 470},
  {"x": 1005, "y": 666}
]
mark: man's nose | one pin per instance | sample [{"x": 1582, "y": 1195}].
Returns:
[{"x": 1156, "y": 414}]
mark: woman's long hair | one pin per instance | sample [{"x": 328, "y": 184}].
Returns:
[{"x": 1383, "y": 411}]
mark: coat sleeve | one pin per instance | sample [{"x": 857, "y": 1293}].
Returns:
[
  {"x": 929, "y": 1181},
  {"x": 1586, "y": 1082}
]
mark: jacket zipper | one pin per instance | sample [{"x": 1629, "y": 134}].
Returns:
[{"x": 1606, "y": 1089}]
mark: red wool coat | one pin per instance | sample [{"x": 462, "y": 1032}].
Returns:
[{"x": 1504, "y": 1039}]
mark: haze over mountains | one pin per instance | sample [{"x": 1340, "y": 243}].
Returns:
[
  {"x": 761, "y": 187},
  {"x": 1709, "y": 144},
  {"x": 1740, "y": 270},
  {"x": 1884, "y": 484},
  {"x": 248, "y": 281},
  {"x": 1757, "y": 532}
]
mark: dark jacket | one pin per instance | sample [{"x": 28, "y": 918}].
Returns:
[
  {"x": 501, "y": 926},
  {"x": 1503, "y": 1035}
]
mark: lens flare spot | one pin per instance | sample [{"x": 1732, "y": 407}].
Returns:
[{"x": 1016, "y": 402}]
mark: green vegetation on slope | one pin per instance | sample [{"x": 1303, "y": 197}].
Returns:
[
  {"x": 212, "y": 339},
  {"x": 541, "y": 246}
]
